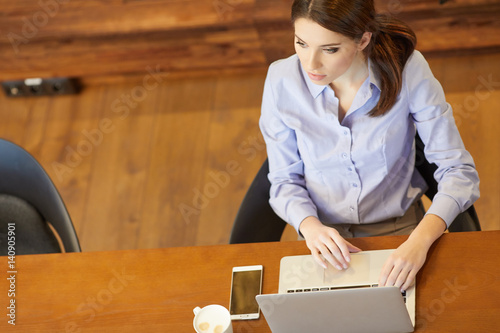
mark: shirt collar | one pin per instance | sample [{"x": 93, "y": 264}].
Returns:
[{"x": 316, "y": 89}]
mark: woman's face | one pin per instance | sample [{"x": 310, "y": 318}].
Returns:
[{"x": 325, "y": 55}]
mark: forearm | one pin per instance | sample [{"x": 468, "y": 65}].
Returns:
[
  {"x": 428, "y": 230},
  {"x": 309, "y": 221}
]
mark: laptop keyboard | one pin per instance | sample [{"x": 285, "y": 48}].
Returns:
[{"x": 304, "y": 290}]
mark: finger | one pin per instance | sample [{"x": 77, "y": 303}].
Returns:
[
  {"x": 410, "y": 280},
  {"x": 318, "y": 258},
  {"x": 385, "y": 272},
  {"x": 342, "y": 251},
  {"x": 338, "y": 247},
  {"x": 326, "y": 251},
  {"x": 392, "y": 278},
  {"x": 335, "y": 254},
  {"x": 353, "y": 248},
  {"x": 402, "y": 277}
]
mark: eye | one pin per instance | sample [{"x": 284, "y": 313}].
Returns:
[
  {"x": 331, "y": 50},
  {"x": 302, "y": 44}
]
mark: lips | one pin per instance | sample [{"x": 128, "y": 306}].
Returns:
[{"x": 316, "y": 77}]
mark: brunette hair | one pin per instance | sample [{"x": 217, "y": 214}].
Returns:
[{"x": 392, "y": 40}]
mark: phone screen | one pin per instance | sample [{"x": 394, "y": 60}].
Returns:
[{"x": 246, "y": 285}]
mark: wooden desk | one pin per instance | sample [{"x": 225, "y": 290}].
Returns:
[{"x": 156, "y": 290}]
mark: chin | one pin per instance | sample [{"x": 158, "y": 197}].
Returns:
[{"x": 323, "y": 82}]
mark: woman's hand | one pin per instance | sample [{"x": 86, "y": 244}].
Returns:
[
  {"x": 403, "y": 265},
  {"x": 326, "y": 241}
]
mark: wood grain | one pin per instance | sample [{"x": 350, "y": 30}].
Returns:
[
  {"x": 155, "y": 290},
  {"x": 80, "y": 38},
  {"x": 235, "y": 150},
  {"x": 143, "y": 185}
]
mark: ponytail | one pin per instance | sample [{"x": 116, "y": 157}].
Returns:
[
  {"x": 392, "y": 40},
  {"x": 392, "y": 44}
]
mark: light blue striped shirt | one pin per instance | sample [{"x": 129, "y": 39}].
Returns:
[{"x": 361, "y": 170}]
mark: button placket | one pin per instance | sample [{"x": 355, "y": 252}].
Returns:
[{"x": 352, "y": 178}]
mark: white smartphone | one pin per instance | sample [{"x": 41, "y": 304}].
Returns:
[{"x": 246, "y": 283}]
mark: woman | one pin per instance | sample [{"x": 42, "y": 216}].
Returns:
[{"x": 339, "y": 120}]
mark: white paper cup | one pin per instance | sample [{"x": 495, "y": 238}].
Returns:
[{"x": 212, "y": 319}]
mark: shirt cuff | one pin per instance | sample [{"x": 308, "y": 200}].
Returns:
[
  {"x": 445, "y": 207},
  {"x": 299, "y": 213}
]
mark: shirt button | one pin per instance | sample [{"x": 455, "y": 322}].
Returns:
[
  {"x": 351, "y": 209},
  {"x": 349, "y": 168},
  {"x": 345, "y": 132},
  {"x": 354, "y": 185},
  {"x": 344, "y": 155}
]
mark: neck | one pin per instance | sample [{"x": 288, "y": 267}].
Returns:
[{"x": 355, "y": 75}]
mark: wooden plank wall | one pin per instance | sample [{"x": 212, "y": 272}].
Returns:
[{"x": 78, "y": 38}]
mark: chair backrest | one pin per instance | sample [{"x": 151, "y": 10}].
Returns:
[
  {"x": 23, "y": 177},
  {"x": 23, "y": 230},
  {"x": 257, "y": 222}
]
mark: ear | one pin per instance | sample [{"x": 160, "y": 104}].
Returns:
[{"x": 364, "y": 41}]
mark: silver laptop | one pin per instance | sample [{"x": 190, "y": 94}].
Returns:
[{"x": 312, "y": 299}]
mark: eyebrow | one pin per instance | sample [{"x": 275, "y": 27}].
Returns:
[{"x": 325, "y": 45}]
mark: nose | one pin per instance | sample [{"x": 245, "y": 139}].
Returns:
[{"x": 313, "y": 61}]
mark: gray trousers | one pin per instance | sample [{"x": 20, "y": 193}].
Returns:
[{"x": 403, "y": 225}]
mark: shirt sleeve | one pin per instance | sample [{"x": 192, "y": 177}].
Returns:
[
  {"x": 289, "y": 197},
  {"x": 458, "y": 181}
]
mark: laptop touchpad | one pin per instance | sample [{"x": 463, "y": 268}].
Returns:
[{"x": 364, "y": 269}]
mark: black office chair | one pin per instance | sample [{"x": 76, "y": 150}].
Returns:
[
  {"x": 257, "y": 222},
  {"x": 28, "y": 202}
]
